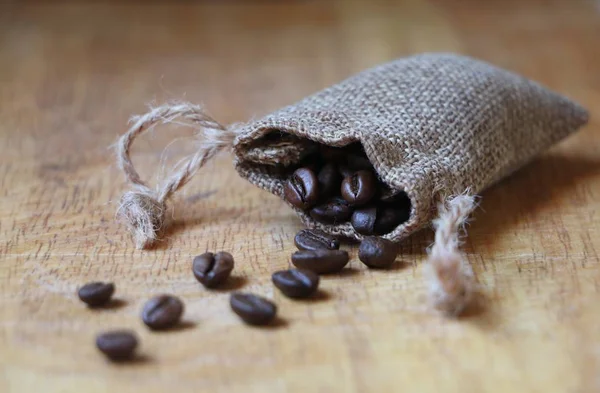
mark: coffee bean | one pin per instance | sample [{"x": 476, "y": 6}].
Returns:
[
  {"x": 212, "y": 270},
  {"x": 301, "y": 189},
  {"x": 377, "y": 252},
  {"x": 334, "y": 211},
  {"x": 363, "y": 220},
  {"x": 296, "y": 283},
  {"x": 312, "y": 239},
  {"x": 388, "y": 218},
  {"x": 96, "y": 294},
  {"x": 162, "y": 312},
  {"x": 253, "y": 309},
  {"x": 359, "y": 188},
  {"x": 320, "y": 261},
  {"x": 329, "y": 181},
  {"x": 117, "y": 344}
]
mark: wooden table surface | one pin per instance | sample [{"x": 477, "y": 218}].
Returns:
[{"x": 71, "y": 74}]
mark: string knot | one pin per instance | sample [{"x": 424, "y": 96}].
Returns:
[
  {"x": 144, "y": 215},
  {"x": 143, "y": 209}
]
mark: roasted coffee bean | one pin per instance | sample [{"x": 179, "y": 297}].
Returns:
[
  {"x": 212, "y": 270},
  {"x": 388, "y": 218},
  {"x": 162, "y": 312},
  {"x": 301, "y": 189},
  {"x": 312, "y": 239},
  {"x": 359, "y": 188},
  {"x": 329, "y": 181},
  {"x": 253, "y": 309},
  {"x": 363, "y": 220},
  {"x": 377, "y": 252},
  {"x": 296, "y": 283},
  {"x": 117, "y": 344},
  {"x": 320, "y": 261},
  {"x": 334, "y": 211},
  {"x": 96, "y": 294}
]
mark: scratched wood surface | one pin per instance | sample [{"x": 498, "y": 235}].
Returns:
[{"x": 71, "y": 73}]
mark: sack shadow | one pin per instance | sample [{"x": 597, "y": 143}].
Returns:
[
  {"x": 189, "y": 216},
  {"x": 527, "y": 192},
  {"x": 521, "y": 196}
]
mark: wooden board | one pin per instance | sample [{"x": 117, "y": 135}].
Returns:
[{"x": 71, "y": 73}]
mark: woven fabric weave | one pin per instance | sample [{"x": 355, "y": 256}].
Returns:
[{"x": 432, "y": 125}]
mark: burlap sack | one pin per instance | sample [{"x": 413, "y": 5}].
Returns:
[
  {"x": 433, "y": 125},
  {"x": 439, "y": 127}
]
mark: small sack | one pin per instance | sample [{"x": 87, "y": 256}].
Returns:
[
  {"x": 432, "y": 125},
  {"x": 440, "y": 127}
]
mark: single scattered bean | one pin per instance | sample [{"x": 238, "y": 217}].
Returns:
[
  {"x": 377, "y": 252},
  {"x": 96, "y": 294},
  {"x": 320, "y": 261},
  {"x": 212, "y": 270},
  {"x": 296, "y": 283},
  {"x": 117, "y": 344},
  {"x": 162, "y": 312},
  {"x": 253, "y": 309}
]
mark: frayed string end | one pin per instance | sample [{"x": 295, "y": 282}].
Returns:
[
  {"x": 451, "y": 282},
  {"x": 144, "y": 216}
]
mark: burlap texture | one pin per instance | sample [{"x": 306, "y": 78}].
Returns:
[{"x": 433, "y": 125}]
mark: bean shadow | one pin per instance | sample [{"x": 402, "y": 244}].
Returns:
[
  {"x": 184, "y": 220},
  {"x": 180, "y": 327},
  {"x": 113, "y": 304},
  {"x": 397, "y": 265},
  {"x": 277, "y": 323},
  {"x": 319, "y": 296},
  {"x": 344, "y": 273},
  {"x": 138, "y": 359},
  {"x": 524, "y": 194},
  {"x": 519, "y": 197},
  {"x": 233, "y": 283}
]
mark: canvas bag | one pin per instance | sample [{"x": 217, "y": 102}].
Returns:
[{"x": 440, "y": 127}]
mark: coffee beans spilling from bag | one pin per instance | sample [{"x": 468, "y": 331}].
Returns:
[
  {"x": 337, "y": 185},
  {"x": 318, "y": 253}
]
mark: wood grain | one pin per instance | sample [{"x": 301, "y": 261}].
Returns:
[{"x": 71, "y": 73}]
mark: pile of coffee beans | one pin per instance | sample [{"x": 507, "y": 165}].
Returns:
[
  {"x": 337, "y": 185},
  {"x": 318, "y": 253}
]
